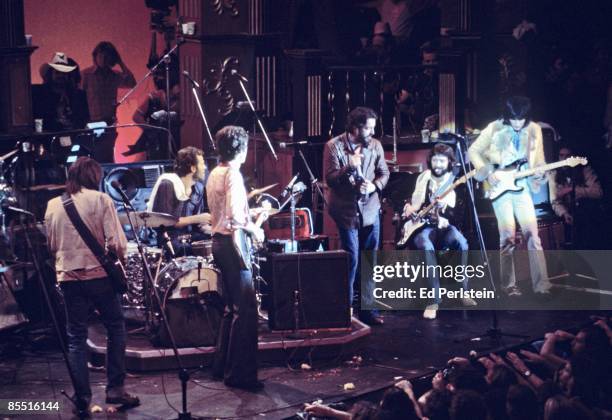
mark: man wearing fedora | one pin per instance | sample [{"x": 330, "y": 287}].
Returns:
[{"x": 58, "y": 101}]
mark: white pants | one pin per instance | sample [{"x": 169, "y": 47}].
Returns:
[{"x": 519, "y": 205}]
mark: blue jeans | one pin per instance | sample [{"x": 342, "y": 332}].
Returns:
[
  {"x": 236, "y": 356},
  {"x": 354, "y": 240},
  {"x": 431, "y": 238},
  {"x": 80, "y": 297}
]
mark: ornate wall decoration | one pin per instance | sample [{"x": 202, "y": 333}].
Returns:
[
  {"x": 220, "y": 6},
  {"x": 215, "y": 83}
]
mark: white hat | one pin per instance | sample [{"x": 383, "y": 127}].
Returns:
[{"x": 60, "y": 63}]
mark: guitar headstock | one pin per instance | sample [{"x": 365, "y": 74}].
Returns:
[{"x": 576, "y": 160}]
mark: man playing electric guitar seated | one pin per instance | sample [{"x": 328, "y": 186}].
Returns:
[
  {"x": 236, "y": 356},
  {"x": 503, "y": 142},
  {"x": 439, "y": 233}
]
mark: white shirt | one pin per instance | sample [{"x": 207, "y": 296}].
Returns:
[
  {"x": 420, "y": 189},
  {"x": 227, "y": 200}
]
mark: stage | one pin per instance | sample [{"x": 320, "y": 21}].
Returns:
[{"x": 406, "y": 346}]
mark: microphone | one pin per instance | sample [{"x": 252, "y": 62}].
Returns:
[
  {"x": 234, "y": 72},
  {"x": 289, "y": 186},
  {"x": 284, "y": 145},
  {"x": 116, "y": 185},
  {"x": 188, "y": 76}
]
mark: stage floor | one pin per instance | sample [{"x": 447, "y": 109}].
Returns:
[{"x": 405, "y": 346}]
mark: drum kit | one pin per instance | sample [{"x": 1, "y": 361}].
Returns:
[{"x": 177, "y": 277}]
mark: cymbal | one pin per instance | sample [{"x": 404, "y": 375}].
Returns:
[
  {"x": 257, "y": 210},
  {"x": 8, "y": 155},
  {"x": 149, "y": 219},
  {"x": 261, "y": 190}
]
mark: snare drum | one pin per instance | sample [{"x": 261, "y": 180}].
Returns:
[
  {"x": 134, "y": 297},
  {"x": 188, "y": 276}
]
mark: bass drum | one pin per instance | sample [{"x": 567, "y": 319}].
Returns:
[
  {"x": 185, "y": 277},
  {"x": 192, "y": 302}
]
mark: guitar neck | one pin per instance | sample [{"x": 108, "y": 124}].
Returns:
[
  {"x": 543, "y": 168},
  {"x": 454, "y": 185},
  {"x": 260, "y": 219}
]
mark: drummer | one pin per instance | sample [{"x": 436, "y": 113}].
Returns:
[{"x": 181, "y": 194}]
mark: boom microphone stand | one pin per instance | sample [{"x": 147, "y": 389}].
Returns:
[
  {"x": 316, "y": 185},
  {"x": 248, "y": 98},
  {"x": 194, "y": 90},
  {"x": 183, "y": 373},
  {"x": 165, "y": 60},
  {"x": 493, "y": 333}
]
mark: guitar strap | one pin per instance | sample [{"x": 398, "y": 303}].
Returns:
[{"x": 444, "y": 186}]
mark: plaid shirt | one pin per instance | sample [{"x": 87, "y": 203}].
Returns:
[{"x": 101, "y": 86}]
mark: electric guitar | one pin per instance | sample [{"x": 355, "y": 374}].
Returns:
[
  {"x": 245, "y": 244},
  {"x": 419, "y": 219},
  {"x": 508, "y": 176}
]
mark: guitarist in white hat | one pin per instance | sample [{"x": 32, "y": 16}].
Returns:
[
  {"x": 438, "y": 233},
  {"x": 503, "y": 142}
]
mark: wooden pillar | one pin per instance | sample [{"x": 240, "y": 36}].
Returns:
[
  {"x": 15, "y": 77},
  {"x": 230, "y": 38}
]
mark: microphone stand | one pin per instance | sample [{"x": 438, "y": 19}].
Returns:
[
  {"x": 183, "y": 373},
  {"x": 166, "y": 61},
  {"x": 493, "y": 333},
  {"x": 201, "y": 109},
  {"x": 316, "y": 185},
  {"x": 292, "y": 202},
  {"x": 56, "y": 326},
  {"x": 261, "y": 127}
]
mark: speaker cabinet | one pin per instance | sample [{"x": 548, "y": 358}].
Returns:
[{"x": 308, "y": 290}]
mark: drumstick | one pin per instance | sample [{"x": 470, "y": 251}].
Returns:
[{"x": 260, "y": 190}]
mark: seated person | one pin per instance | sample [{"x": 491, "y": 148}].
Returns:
[
  {"x": 153, "y": 110},
  {"x": 181, "y": 195},
  {"x": 439, "y": 234}
]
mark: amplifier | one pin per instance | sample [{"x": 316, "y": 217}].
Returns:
[
  {"x": 308, "y": 290},
  {"x": 279, "y": 225}
]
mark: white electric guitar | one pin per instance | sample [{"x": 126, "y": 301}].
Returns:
[
  {"x": 419, "y": 219},
  {"x": 508, "y": 176}
]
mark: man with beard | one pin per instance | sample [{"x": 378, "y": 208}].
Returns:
[
  {"x": 356, "y": 173},
  {"x": 439, "y": 233},
  {"x": 179, "y": 193}
]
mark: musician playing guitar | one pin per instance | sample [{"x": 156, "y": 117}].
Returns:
[
  {"x": 235, "y": 360},
  {"x": 438, "y": 233},
  {"x": 503, "y": 142}
]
